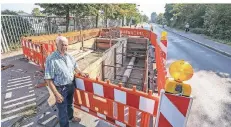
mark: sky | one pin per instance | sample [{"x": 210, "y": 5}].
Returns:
[{"x": 145, "y": 7}]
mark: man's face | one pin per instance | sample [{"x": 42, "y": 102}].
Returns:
[{"x": 63, "y": 47}]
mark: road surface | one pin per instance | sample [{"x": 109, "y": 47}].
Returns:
[{"x": 211, "y": 82}]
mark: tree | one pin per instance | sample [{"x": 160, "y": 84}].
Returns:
[
  {"x": 145, "y": 18},
  {"x": 168, "y": 14},
  {"x": 8, "y": 12},
  {"x": 161, "y": 19},
  {"x": 36, "y": 12},
  {"x": 153, "y": 17},
  {"x": 59, "y": 10},
  {"x": 209, "y": 19},
  {"x": 217, "y": 21}
]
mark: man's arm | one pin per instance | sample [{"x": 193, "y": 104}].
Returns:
[
  {"x": 52, "y": 86},
  {"x": 76, "y": 68},
  {"x": 49, "y": 76}
]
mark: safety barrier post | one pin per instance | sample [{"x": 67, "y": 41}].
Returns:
[
  {"x": 173, "y": 110},
  {"x": 163, "y": 46}
]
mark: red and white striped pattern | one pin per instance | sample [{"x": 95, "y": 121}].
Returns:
[
  {"x": 173, "y": 110},
  {"x": 139, "y": 102},
  {"x": 119, "y": 111},
  {"x": 163, "y": 46},
  {"x": 31, "y": 51}
]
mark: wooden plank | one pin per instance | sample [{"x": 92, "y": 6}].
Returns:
[
  {"x": 84, "y": 54},
  {"x": 115, "y": 63},
  {"x": 103, "y": 70},
  {"x": 5, "y": 67},
  {"x": 128, "y": 70},
  {"x": 122, "y": 55}
]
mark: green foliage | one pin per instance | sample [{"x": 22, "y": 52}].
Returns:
[
  {"x": 110, "y": 11},
  {"x": 217, "y": 21},
  {"x": 209, "y": 19},
  {"x": 199, "y": 31},
  {"x": 145, "y": 18},
  {"x": 8, "y": 12},
  {"x": 153, "y": 17},
  {"x": 36, "y": 12},
  {"x": 160, "y": 18}
]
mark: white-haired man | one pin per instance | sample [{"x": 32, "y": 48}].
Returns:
[{"x": 59, "y": 75}]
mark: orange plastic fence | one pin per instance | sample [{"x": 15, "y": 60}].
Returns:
[
  {"x": 114, "y": 103},
  {"x": 37, "y": 48},
  {"x": 33, "y": 52},
  {"x": 135, "y": 32},
  {"x": 160, "y": 69}
]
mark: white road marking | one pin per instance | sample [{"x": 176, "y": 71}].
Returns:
[
  {"x": 19, "y": 84},
  {"x": 31, "y": 91},
  {"x": 31, "y": 87},
  {"x": 8, "y": 95},
  {"x": 19, "y": 81},
  {"x": 17, "y": 109},
  {"x": 6, "y": 102},
  {"x": 17, "y": 115},
  {"x": 44, "y": 115},
  {"x": 29, "y": 124},
  {"x": 18, "y": 78},
  {"x": 19, "y": 103},
  {"x": 18, "y": 87},
  {"x": 48, "y": 120}
]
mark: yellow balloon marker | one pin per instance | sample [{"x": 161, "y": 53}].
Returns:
[{"x": 180, "y": 71}]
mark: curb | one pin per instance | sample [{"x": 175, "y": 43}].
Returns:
[{"x": 212, "y": 48}]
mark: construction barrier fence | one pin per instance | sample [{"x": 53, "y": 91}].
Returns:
[{"x": 114, "y": 103}]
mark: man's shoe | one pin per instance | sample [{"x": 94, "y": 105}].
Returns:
[{"x": 75, "y": 120}]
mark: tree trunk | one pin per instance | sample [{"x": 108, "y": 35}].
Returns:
[
  {"x": 67, "y": 17},
  {"x": 123, "y": 21},
  {"x": 97, "y": 20},
  {"x": 106, "y": 17}
]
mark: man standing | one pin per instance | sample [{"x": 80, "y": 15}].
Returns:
[
  {"x": 59, "y": 75},
  {"x": 186, "y": 27}
]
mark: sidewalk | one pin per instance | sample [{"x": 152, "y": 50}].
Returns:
[{"x": 200, "y": 39}]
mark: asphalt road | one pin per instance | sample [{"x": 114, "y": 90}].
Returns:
[{"x": 211, "y": 82}]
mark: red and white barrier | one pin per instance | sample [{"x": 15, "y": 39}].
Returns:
[
  {"x": 139, "y": 102},
  {"x": 163, "y": 46},
  {"x": 173, "y": 110},
  {"x": 115, "y": 104}
]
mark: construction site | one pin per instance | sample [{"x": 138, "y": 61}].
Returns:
[
  {"x": 118, "y": 59},
  {"x": 126, "y": 75}
]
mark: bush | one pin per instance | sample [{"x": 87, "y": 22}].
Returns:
[{"x": 199, "y": 31}]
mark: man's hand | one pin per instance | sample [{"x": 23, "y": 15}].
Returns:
[
  {"x": 84, "y": 74},
  {"x": 59, "y": 97}
]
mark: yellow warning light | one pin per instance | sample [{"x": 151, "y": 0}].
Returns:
[
  {"x": 181, "y": 70},
  {"x": 164, "y": 35}
]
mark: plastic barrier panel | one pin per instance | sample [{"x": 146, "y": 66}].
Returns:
[
  {"x": 116, "y": 104},
  {"x": 135, "y": 32},
  {"x": 173, "y": 110}
]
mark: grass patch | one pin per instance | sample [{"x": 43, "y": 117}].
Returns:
[
  {"x": 227, "y": 42},
  {"x": 205, "y": 34}
]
